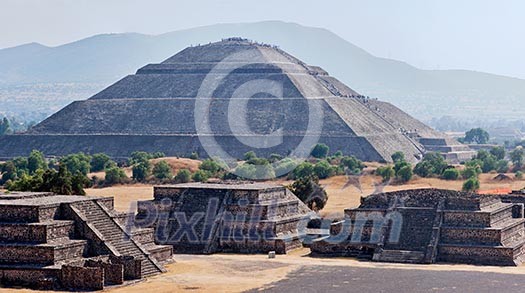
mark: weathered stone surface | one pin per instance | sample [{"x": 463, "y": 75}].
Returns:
[
  {"x": 429, "y": 225},
  {"x": 154, "y": 110},
  {"x": 47, "y": 243},
  {"x": 241, "y": 217}
]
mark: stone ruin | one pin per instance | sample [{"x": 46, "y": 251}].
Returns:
[
  {"x": 429, "y": 226},
  {"x": 52, "y": 241},
  {"x": 154, "y": 110},
  {"x": 225, "y": 217}
]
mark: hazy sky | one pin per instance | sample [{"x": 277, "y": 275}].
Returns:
[{"x": 484, "y": 35}]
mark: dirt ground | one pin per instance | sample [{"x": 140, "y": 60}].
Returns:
[
  {"x": 343, "y": 192},
  {"x": 238, "y": 273},
  {"x": 175, "y": 163}
]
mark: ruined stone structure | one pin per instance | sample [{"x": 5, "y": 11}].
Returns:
[
  {"x": 428, "y": 226},
  {"x": 225, "y": 217},
  {"x": 51, "y": 241},
  {"x": 154, "y": 110}
]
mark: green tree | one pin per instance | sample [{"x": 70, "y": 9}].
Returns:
[
  {"x": 398, "y": 157},
  {"x": 183, "y": 176},
  {"x": 320, "y": 150},
  {"x": 4, "y": 126},
  {"x": 305, "y": 169},
  {"x": 9, "y": 172},
  {"x": 502, "y": 166},
  {"x": 115, "y": 175},
  {"x": 517, "y": 157},
  {"x": 36, "y": 161},
  {"x": 404, "y": 174},
  {"x": 432, "y": 164},
  {"x": 246, "y": 171},
  {"x": 78, "y": 182},
  {"x": 351, "y": 165},
  {"x": 450, "y": 174},
  {"x": 323, "y": 170},
  {"x": 140, "y": 157},
  {"x": 200, "y": 176},
  {"x": 162, "y": 170},
  {"x": 210, "y": 166},
  {"x": 386, "y": 172},
  {"x": 309, "y": 191},
  {"x": 275, "y": 158},
  {"x": 194, "y": 156},
  {"x": 470, "y": 172},
  {"x": 477, "y": 135},
  {"x": 498, "y": 152},
  {"x": 141, "y": 171},
  {"x": 99, "y": 162},
  {"x": 471, "y": 185},
  {"x": 79, "y": 162},
  {"x": 249, "y": 155}
]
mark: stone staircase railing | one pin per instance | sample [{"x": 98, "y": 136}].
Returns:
[{"x": 115, "y": 236}]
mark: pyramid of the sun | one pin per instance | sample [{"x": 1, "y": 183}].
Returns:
[{"x": 155, "y": 110}]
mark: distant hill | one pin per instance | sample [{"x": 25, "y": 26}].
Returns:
[{"x": 93, "y": 63}]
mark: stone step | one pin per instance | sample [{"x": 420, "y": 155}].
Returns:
[{"x": 399, "y": 256}]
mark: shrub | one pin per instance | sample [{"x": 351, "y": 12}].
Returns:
[
  {"x": 246, "y": 171},
  {"x": 502, "y": 166},
  {"x": 162, "y": 170},
  {"x": 210, "y": 166},
  {"x": 498, "y": 152},
  {"x": 36, "y": 161},
  {"x": 320, "y": 150},
  {"x": 200, "y": 176},
  {"x": 79, "y": 162},
  {"x": 424, "y": 169},
  {"x": 471, "y": 185},
  {"x": 194, "y": 156},
  {"x": 470, "y": 172},
  {"x": 183, "y": 176},
  {"x": 275, "y": 158},
  {"x": 432, "y": 164},
  {"x": 450, "y": 174},
  {"x": 351, "y": 165},
  {"x": 398, "y": 157},
  {"x": 323, "y": 170},
  {"x": 518, "y": 175},
  {"x": 249, "y": 155},
  {"x": 99, "y": 162},
  {"x": 305, "y": 169},
  {"x": 141, "y": 171},
  {"x": 115, "y": 175},
  {"x": 386, "y": 172},
  {"x": 309, "y": 191},
  {"x": 404, "y": 174}
]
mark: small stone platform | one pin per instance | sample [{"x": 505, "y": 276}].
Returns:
[
  {"x": 429, "y": 226},
  {"x": 225, "y": 217},
  {"x": 52, "y": 241}
]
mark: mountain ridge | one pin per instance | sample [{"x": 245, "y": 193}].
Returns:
[{"x": 106, "y": 58}]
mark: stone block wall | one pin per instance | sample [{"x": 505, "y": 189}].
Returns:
[{"x": 83, "y": 278}]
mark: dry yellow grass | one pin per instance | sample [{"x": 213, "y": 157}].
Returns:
[{"x": 175, "y": 163}]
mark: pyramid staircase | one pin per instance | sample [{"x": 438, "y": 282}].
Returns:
[
  {"x": 52, "y": 242},
  {"x": 116, "y": 236}
]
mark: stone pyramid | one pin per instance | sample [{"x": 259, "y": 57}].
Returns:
[{"x": 221, "y": 96}]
